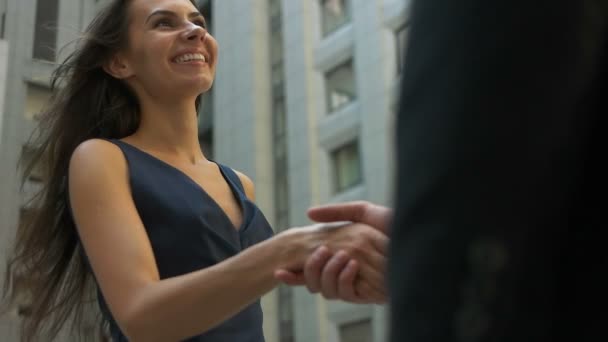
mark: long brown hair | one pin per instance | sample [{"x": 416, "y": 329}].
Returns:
[{"x": 48, "y": 263}]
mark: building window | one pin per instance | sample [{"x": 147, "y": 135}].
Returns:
[
  {"x": 205, "y": 124},
  {"x": 400, "y": 40},
  {"x": 22, "y": 304},
  {"x": 347, "y": 167},
  {"x": 206, "y": 141},
  {"x": 281, "y": 165},
  {"x": 27, "y": 156},
  {"x": 279, "y": 120},
  {"x": 45, "y": 30},
  {"x": 360, "y": 331},
  {"x": 334, "y": 14},
  {"x": 2, "y": 24},
  {"x": 340, "y": 86},
  {"x": 38, "y": 98},
  {"x": 286, "y": 323},
  {"x": 205, "y": 116}
]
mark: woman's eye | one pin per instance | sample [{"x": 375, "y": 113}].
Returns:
[
  {"x": 200, "y": 23},
  {"x": 163, "y": 23}
]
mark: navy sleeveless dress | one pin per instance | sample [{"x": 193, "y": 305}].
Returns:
[{"x": 189, "y": 231}]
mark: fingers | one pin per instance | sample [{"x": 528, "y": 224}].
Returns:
[
  {"x": 374, "y": 261},
  {"x": 339, "y": 274},
  {"x": 374, "y": 279},
  {"x": 330, "y": 275},
  {"x": 346, "y": 282},
  {"x": 361, "y": 243},
  {"x": 349, "y": 287},
  {"x": 340, "y": 277},
  {"x": 290, "y": 278},
  {"x": 313, "y": 268},
  {"x": 378, "y": 217},
  {"x": 367, "y": 293},
  {"x": 373, "y": 271},
  {"x": 359, "y": 211}
]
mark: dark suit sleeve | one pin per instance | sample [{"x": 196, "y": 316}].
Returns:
[{"x": 499, "y": 103}]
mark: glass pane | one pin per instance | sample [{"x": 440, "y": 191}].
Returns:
[
  {"x": 277, "y": 76},
  {"x": 274, "y": 7},
  {"x": 281, "y": 183},
  {"x": 2, "y": 24},
  {"x": 347, "y": 167},
  {"x": 356, "y": 332},
  {"x": 37, "y": 174},
  {"x": 400, "y": 39},
  {"x": 334, "y": 14},
  {"x": 279, "y": 118},
  {"x": 276, "y": 46},
  {"x": 206, "y": 141},
  {"x": 45, "y": 30},
  {"x": 23, "y": 300},
  {"x": 37, "y": 100},
  {"x": 282, "y": 194},
  {"x": 340, "y": 86}
]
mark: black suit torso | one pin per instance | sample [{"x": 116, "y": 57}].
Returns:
[{"x": 501, "y": 194}]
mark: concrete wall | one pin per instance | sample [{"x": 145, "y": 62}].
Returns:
[{"x": 24, "y": 93}]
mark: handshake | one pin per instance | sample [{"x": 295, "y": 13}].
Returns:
[{"x": 348, "y": 260}]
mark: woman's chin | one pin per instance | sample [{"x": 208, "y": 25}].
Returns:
[
  {"x": 201, "y": 84},
  {"x": 206, "y": 87},
  {"x": 192, "y": 88}
]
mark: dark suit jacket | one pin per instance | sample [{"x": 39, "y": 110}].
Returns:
[{"x": 501, "y": 197}]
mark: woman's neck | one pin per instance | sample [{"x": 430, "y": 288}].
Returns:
[{"x": 170, "y": 128}]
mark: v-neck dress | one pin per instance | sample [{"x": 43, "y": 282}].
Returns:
[{"x": 189, "y": 231}]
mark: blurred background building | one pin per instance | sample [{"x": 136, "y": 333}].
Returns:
[{"x": 303, "y": 102}]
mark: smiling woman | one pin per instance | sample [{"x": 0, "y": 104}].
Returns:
[{"x": 173, "y": 241}]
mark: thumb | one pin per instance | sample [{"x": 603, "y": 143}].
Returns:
[
  {"x": 349, "y": 211},
  {"x": 359, "y": 211}
]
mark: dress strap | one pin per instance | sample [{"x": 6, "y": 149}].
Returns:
[{"x": 232, "y": 176}]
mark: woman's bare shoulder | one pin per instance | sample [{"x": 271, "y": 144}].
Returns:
[{"x": 95, "y": 156}]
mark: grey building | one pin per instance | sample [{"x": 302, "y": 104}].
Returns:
[
  {"x": 303, "y": 103},
  {"x": 34, "y": 30}
]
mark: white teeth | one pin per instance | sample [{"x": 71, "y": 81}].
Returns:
[{"x": 191, "y": 57}]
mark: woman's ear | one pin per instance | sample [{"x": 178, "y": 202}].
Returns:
[{"x": 118, "y": 67}]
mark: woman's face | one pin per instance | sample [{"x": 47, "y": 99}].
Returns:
[{"x": 170, "y": 51}]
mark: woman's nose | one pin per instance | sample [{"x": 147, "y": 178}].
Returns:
[{"x": 195, "y": 32}]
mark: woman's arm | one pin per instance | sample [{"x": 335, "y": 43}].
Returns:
[{"x": 145, "y": 307}]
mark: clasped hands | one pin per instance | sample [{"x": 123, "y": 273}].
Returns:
[{"x": 350, "y": 265}]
